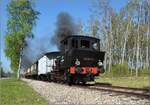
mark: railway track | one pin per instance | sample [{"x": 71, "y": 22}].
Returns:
[
  {"x": 138, "y": 92},
  {"x": 76, "y": 94},
  {"x": 143, "y": 93}
]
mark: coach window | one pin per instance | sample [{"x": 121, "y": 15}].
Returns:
[{"x": 85, "y": 44}]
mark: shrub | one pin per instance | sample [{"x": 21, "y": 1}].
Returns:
[
  {"x": 144, "y": 72},
  {"x": 118, "y": 70}
]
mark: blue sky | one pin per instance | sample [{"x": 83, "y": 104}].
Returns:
[{"x": 49, "y": 9}]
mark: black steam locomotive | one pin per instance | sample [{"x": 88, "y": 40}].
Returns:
[{"x": 79, "y": 61}]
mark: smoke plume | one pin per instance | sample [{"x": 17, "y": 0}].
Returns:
[
  {"x": 35, "y": 49},
  {"x": 38, "y": 46},
  {"x": 64, "y": 27}
]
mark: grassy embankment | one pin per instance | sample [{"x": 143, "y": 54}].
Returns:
[
  {"x": 134, "y": 82},
  {"x": 120, "y": 75},
  {"x": 13, "y": 91}
]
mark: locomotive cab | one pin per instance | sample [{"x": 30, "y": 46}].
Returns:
[
  {"x": 80, "y": 42},
  {"x": 82, "y": 57}
]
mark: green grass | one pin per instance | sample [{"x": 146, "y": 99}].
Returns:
[
  {"x": 13, "y": 91},
  {"x": 133, "y": 82}
]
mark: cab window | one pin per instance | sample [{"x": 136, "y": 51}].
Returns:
[
  {"x": 85, "y": 44},
  {"x": 66, "y": 44},
  {"x": 74, "y": 43}
]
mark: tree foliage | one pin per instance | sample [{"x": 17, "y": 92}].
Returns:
[{"x": 22, "y": 18}]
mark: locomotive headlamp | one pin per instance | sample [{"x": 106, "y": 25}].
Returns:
[
  {"x": 100, "y": 63},
  {"x": 77, "y": 62}
]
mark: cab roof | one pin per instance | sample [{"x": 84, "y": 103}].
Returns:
[{"x": 80, "y": 37}]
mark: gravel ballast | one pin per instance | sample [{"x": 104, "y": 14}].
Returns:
[{"x": 63, "y": 95}]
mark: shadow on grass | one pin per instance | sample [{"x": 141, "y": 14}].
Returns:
[
  {"x": 103, "y": 84},
  {"x": 147, "y": 88}
]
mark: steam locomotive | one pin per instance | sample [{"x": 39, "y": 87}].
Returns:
[{"x": 79, "y": 61}]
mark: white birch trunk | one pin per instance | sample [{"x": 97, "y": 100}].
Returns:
[
  {"x": 125, "y": 41},
  {"x": 110, "y": 60},
  {"x": 138, "y": 44},
  {"x": 110, "y": 45},
  {"x": 147, "y": 48},
  {"x": 137, "y": 53},
  {"x": 19, "y": 68}
]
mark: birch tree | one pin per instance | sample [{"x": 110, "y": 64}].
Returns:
[
  {"x": 22, "y": 18},
  {"x": 126, "y": 34}
]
